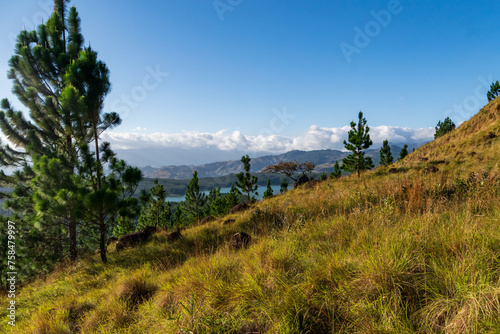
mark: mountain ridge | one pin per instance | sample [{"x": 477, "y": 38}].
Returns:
[{"x": 323, "y": 159}]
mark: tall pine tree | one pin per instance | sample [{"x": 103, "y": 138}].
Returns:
[
  {"x": 63, "y": 86},
  {"x": 359, "y": 140},
  {"x": 37, "y": 69}
]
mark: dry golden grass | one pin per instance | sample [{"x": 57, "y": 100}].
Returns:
[{"x": 387, "y": 253}]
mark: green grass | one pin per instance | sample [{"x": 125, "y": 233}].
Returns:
[{"x": 388, "y": 253}]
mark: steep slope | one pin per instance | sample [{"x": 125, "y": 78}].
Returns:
[
  {"x": 406, "y": 252},
  {"x": 473, "y": 145}
]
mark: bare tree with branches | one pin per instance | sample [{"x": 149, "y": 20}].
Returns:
[{"x": 298, "y": 172}]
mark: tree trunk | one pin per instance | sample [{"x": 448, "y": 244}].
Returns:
[
  {"x": 73, "y": 251},
  {"x": 102, "y": 225},
  {"x": 358, "y": 165},
  {"x": 98, "y": 161},
  {"x": 102, "y": 239},
  {"x": 59, "y": 248}
]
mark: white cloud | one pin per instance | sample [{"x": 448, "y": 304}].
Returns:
[{"x": 315, "y": 138}]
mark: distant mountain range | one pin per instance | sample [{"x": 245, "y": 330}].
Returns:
[{"x": 323, "y": 159}]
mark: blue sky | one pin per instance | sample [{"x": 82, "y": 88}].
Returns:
[{"x": 269, "y": 76}]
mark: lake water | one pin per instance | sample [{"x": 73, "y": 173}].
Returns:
[{"x": 260, "y": 190}]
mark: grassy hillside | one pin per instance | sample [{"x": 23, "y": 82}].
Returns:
[{"x": 403, "y": 252}]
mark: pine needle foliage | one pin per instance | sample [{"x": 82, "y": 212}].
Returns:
[
  {"x": 444, "y": 127},
  {"x": 337, "y": 172},
  {"x": 59, "y": 185},
  {"x": 358, "y": 140},
  {"x": 283, "y": 186},
  {"x": 404, "y": 152},
  {"x": 196, "y": 201},
  {"x": 385, "y": 154},
  {"x": 494, "y": 91},
  {"x": 269, "y": 191},
  {"x": 247, "y": 183},
  {"x": 155, "y": 211}
]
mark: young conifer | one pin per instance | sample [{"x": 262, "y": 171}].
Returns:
[
  {"x": 196, "y": 200},
  {"x": 404, "y": 152},
  {"x": 385, "y": 154},
  {"x": 247, "y": 182},
  {"x": 337, "y": 172},
  {"x": 358, "y": 140},
  {"x": 269, "y": 191}
]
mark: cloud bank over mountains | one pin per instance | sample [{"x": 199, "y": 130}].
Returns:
[
  {"x": 196, "y": 148},
  {"x": 316, "y": 138}
]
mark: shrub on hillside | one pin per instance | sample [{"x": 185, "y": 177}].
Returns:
[
  {"x": 494, "y": 91},
  {"x": 444, "y": 127}
]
